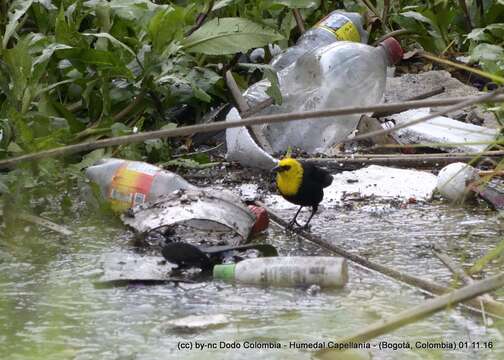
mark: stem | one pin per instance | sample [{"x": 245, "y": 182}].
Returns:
[
  {"x": 264, "y": 119},
  {"x": 421, "y": 311}
]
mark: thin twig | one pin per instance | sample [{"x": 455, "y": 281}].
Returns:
[
  {"x": 407, "y": 161},
  {"x": 241, "y": 102},
  {"x": 395, "y": 33},
  {"x": 371, "y": 7},
  {"x": 467, "y": 17},
  {"x": 299, "y": 20},
  {"x": 458, "y": 106},
  {"x": 201, "y": 19},
  {"x": 257, "y": 120},
  {"x": 45, "y": 223},
  {"x": 461, "y": 274},
  {"x": 198, "y": 152},
  {"x": 421, "y": 311},
  {"x": 425, "y": 95},
  {"x": 386, "y": 8},
  {"x": 496, "y": 78}
]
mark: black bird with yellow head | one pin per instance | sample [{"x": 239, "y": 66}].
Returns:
[{"x": 302, "y": 184}]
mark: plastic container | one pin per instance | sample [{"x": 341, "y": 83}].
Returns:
[
  {"x": 331, "y": 272},
  {"x": 341, "y": 74},
  {"x": 453, "y": 181},
  {"x": 337, "y": 26},
  {"x": 128, "y": 183}
]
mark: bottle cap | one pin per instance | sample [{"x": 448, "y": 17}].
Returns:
[
  {"x": 224, "y": 272},
  {"x": 262, "y": 219},
  {"x": 394, "y": 50}
]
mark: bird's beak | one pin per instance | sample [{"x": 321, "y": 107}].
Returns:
[{"x": 279, "y": 168}]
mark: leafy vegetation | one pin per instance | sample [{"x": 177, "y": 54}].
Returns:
[{"x": 73, "y": 71}]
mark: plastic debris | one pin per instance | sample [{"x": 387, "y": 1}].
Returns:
[
  {"x": 203, "y": 210},
  {"x": 286, "y": 271},
  {"x": 336, "y": 26},
  {"x": 197, "y": 322},
  {"x": 491, "y": 191},
  {"x": 125, "y": 267},
  {"x": 442, "y": 130},
  {"x": 326, "y": 77},
  {"x": 128, "y": 183},
  {"x": 453, "y": 181},
  {"x": 380, "y": 183},
  {"x": 242, "y": 148}
]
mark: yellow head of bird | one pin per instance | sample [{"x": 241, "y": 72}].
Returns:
[{"x": 289, "y": 175}]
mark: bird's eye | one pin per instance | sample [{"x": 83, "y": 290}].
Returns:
[{"x": 286, "y": 167}]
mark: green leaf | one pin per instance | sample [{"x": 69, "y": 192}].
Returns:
[
  {"x": 228, "y": 36},
  {"x": 274, "y": 89},
  {"x": 417, "y": 16},
  {"x": 90, "y": 159},
  {"x": 224, "y": 3},
  {"x": 16, "y": 11},
  {"x": 487, "y": 52},
  {"x": 488, "y": 33},
  {"x": 300, "y": 4},
  {"x": 200, "y": 93},
  {"x": 74, "y": 124},
  {"x": 166, "y": 26},
  {"x": 491, "y": 255},
  {"x": 113, "y": 40},
  {"x": 104, "y": 60}
]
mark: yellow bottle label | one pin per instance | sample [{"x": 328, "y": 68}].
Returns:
[
  {"x": 131, "y": 185},
  {"x": 340, "y": 26}
]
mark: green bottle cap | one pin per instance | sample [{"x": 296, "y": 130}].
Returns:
[{"x": 224, "y": 272}]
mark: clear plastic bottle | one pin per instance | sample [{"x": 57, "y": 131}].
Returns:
[
  {"x": 341, "y": 74},
  {"x": 337, "y": 26},
  {"x": 127, "y": 183},
  {"x": 286, "y": 271}
]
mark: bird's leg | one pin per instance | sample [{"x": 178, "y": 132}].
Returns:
[
  {"x": 314, "y": 210},
  {"x": 293, "y": 221}
]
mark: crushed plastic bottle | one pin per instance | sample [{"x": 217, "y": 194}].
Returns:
[
  {"x": 337, "y": 26},
  {"x": 341, "y": 74},
  {"x": 128, "y": 183},
  {"x": 286, "y": 271}
]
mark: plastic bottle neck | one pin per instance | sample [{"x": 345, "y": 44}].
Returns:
[{"x": 392, "y": 51}]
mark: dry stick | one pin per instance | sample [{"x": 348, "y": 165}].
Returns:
[
  {"x": 337, "y": 164},
  {"x": 201, "y": 18},
  {"x": 299, "y": 20},
  {"x": 425, "y": 285},
  {"x": 385, "y": 12},
  {"x": 395, "y": 33},
  {"x": 459, "y": 273},
  {"x": 421, "y": 311},
  {"x": 257, "y": 120},
  {"x": 422, "y": 96},
  {"x": 241, "y": 102},
  {"x": 493, "y": 77},
  {"x": 413, "y": 156},
  {"x": 45, "y": 223},
  {"x": 468, "y": 102},
  {"x": 245, "y": 110},
  {"x": 467, "y": 17},
  {"x": 402, "y": 160}
]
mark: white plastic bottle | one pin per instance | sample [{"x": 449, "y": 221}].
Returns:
[
  {"x": 127, "y": 183},
  {"x": 337, "y": 26},
  {"x": 341, "y": 74},
  {"x": 286, "y": 271}
]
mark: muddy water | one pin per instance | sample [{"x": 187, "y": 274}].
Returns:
[{"x": 50, "y": 309}]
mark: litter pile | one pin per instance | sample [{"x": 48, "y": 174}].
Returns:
[{"x": 331, "y": 66}]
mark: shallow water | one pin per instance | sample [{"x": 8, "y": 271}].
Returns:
[{"x": 50, "y": 308}]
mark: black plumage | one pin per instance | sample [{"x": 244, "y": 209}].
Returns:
[{"x": 311, "y": 189}]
